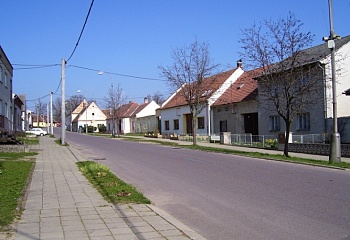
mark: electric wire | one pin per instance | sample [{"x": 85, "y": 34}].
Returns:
[
  {"x": 119, "y": 74},
  {"x": 82, "y": 30},
  {"x": 29, "y": 66}
]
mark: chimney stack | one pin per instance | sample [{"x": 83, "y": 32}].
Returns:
[
  {"x": 239, "y": 63},
  {"x": 145, "y": 100}
]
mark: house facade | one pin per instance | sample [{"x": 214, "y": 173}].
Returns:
[
  {"x": 18, "y": 107},
  {"x": 123, "y": 121},
  {"x": 145, "y": 117},
  {"x": 236, "y": 110},
  {"x": 176, "y": 117},
  {"x": 315, "y": 118},
  {"x": 6, "y": 98},
  {"x": 87, "y": 115}
]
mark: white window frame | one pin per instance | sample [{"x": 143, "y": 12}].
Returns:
[
  {"x": 6, "y": 80},
  {"x": 1, "y": 74},
  {"x": 274, "y": 123},
  {"x": 303, "y": 121}
]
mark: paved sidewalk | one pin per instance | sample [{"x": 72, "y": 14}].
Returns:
[{"x": 62, "y": 204}]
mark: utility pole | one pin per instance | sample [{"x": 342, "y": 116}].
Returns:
[
  {"x": 113, "y": 112},
  {"x": 63, "y": 103},
  {"x": 335, "y": 151},
  {"x": 51, "y": 115},
  {"x": 47, "y": 118}
]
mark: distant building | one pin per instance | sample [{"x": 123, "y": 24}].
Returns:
[{"x": 6, "y": 100}]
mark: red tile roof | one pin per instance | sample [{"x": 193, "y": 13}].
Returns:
[
  {"x": 211, "y": 84},
  {"x": 127, "y": 110},
  {"x": 243, "y": 89}
]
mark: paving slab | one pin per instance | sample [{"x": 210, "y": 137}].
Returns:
[{"x": 62, "y": 204}]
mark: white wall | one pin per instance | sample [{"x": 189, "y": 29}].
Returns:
[
  {"x": 343, "y": 82},
  {"x": 180, "y": 114}
]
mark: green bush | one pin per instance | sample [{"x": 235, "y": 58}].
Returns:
[
  {"x": 102, "y": 128},
  {"x": 272, "y": 143}
]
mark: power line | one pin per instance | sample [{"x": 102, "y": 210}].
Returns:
[
  {"x": 33, "y": 66},
  {"x": 82, "y": 30},
  {"x": 119, "y": 74}
]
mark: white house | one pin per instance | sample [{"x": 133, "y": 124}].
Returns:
[
  {"x": 175, "y": 112},
  {"x": 145, "y": 117},
  {"x": 236, "y": 110},
  {"x": 88, "y": 115}
]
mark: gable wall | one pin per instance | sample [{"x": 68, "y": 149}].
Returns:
[
  {"x": 233, "y": 114},
  {"x": 180, "y": 114},
  {"x": 343, "y": 82}
]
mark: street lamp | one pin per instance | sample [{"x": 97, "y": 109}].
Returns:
[
  {"x": 113, "y": 102},
  {"x": 335, "y": 151},
  {"x": 86, "y": 127}
]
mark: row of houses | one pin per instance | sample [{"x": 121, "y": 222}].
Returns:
[
  {"x": 132, "y": 117},
  {"x": 233, "y": 105},
  {"x": 236, "y": 104},
  {"x": 12, "y": 106}
]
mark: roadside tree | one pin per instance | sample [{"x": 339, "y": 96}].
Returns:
[
  {"x": 289, "y": 83},
  {"x": 192, "y": 66},
  {"x": 113, "y": 102}
]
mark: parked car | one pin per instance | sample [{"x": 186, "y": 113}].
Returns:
[{"x": 37, "y": 132}]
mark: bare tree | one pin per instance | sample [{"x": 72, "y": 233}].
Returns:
[
  {"x": 158, "y": 97},
  {"x": 71, "y": 104},
  {"x": 41, "y": 110},
  {"x": 192, "y": 66},
  {"x": 113, "y": 102},
  {"x": 56, "y": 109},
  {"x": 290, "y": 82}
]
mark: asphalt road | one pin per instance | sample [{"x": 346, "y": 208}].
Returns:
[{"x": 230, "y": 197}]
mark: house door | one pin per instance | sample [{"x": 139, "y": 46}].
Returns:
[
  {"x": 251, "y": 123},
  {"x": 189, "y": 124},
  {"x": 223, "y": 126}
]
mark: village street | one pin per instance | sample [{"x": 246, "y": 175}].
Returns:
[{"x": 230, "y": 197}]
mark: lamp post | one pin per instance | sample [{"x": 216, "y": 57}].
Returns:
[
  {"x": 335, "y": 151},
  {"x": 86, "y": 121},
  {"x": 113, "y": 102}
]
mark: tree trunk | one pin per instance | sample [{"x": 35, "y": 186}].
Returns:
[
  {"x": 194, "y": 130},
  {"x": 286, "y": 142}
]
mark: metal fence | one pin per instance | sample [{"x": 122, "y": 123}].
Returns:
[
  {"x": 263, "y": 141},
  {"x": 269, "y": 141},
  {"x": 309, "y": 138}
]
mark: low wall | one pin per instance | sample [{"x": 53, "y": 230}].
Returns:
[
  {"x": 13, "y": 148},
  {"x": 317, "y": 149}
]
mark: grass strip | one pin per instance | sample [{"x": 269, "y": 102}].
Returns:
[
  {"x": 14, "y": 175},
  {"x": 277, "y": 157},
  {"x": 113, "y": 189},
  {"x": 29, "y": 140}
]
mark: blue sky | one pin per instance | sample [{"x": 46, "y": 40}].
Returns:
[{"x": 134, "y": 38}]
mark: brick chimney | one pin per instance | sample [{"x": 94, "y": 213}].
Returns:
[{"x": 239, "y": 63}]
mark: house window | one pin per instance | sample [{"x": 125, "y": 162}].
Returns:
[
  {"x": 274, "y": 123},
  {"x": 223, "y": 126},
  {"x": 0, "y": 74},
  {"x": 176, "y": 124},
  {"x": 6, "y": 111},
  {"x": 303, "y": 121},
  {"x": 167, "y": 125},
  {"x": 201, "y": 123},
  {"x": 5, "y": 80}
]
